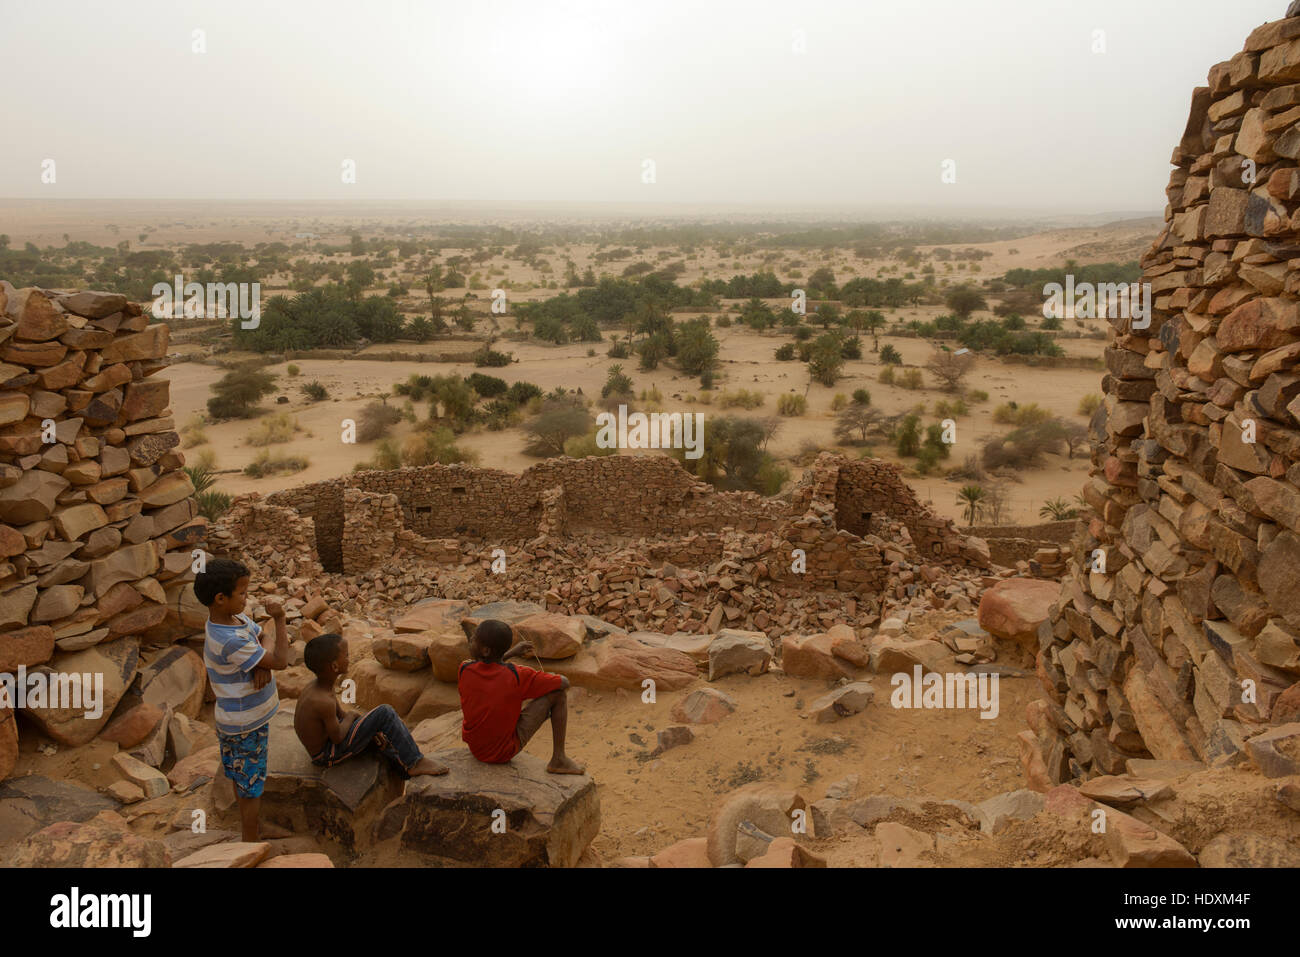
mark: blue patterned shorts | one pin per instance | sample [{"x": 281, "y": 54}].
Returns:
[{"x": 244, "y": 758}]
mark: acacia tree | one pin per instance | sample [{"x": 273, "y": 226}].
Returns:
[
  {"x": 826, "y": 359},
  {"x": 950, "y": 367},
  {"x": 964, "y": 300}
]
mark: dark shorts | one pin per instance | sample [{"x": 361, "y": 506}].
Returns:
[{"x": 244, "y": 758}]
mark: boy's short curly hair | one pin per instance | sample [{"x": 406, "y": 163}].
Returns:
[
  {"x": 320, "y": 651},
  {"x": 219, "y": 577},
  {"x": 495, "y": 636}
]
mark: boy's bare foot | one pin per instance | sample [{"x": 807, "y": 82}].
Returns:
[
  {"x": 426, "y": 766},
  {"x": 565, "y": 765}
]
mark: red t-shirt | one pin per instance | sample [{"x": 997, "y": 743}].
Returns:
[{"x": 491, "y": 696}]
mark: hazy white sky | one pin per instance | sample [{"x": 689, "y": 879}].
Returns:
[{"x": 562, "y": 100}]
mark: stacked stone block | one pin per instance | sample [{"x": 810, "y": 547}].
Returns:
[
  {"x": 1178, "y": 628},
  {"x": 99, "y": 520}
]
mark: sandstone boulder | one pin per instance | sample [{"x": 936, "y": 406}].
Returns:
[
  {"x": 1013, "y": 609},
  {"x": 549, "y": 818},
  {"x": 336, "y": 804},
  {"x": 102, "y": 842},
  {"x": 435, "y": 614},
  {"x": 174, "y": 679},
  {"x": 552, "y": 636},
  {"x": 703, "y": 706},
  {"x": 447, "y": 648},
  {"x": 34, "y": 801},
  {"x": 1276, "y": 752},
  {"x": 692, "y": 852},
  {"x": 77, "y": 722},
  {"x": 623, "y": 662},
  {"x": 232, "y": 855},
  {"x": 810, "y": 656},
  {"x": 739, "y": 652},
  {"x": 404, "y": 652},
  {"x": 1244, "y": 848},
  {"x": 841, "y": 702}
]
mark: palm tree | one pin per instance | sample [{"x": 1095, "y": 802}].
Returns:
[
  {"x": 1057, "y": 509},
  {"x": 970, "y": 496},
  {"x": 873, "y": 322}
]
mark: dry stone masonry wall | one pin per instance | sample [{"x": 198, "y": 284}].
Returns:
[
  {"x": 98, "y": 520},
  {"x": 1178, "y": 630}
]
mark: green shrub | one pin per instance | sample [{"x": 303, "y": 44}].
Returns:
[
  {"x": 315, "y": 391},
  {"x": 375, "y": 419},
  {"x": 785, "y": 353},
  {"x": 1011, "y": 413},
  {"x": 1089, "y": 404},
  {"x": 887, "y": 375},
  {"x": 741, "y": 398},
  {"x": 584, "y": 446},
  {"x": 267, "y": 464},
  {"x": 862, "y": 397},
  {"x": 238, "y": 393},
  {"x": 791, "y": 403},
  {"x": 911, "y": 379},
  {"x": 273, "y": 430},
  {"x": 292, "y": 369},
  {"x": 487, "y": 386}
]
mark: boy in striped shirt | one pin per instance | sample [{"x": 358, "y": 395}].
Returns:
[{"x": 239, "y": 661}]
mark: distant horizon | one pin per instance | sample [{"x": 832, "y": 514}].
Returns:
[{"x": 786, "y": 213}]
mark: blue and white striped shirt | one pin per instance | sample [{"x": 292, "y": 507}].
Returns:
[{"x": 231, "y": 654}]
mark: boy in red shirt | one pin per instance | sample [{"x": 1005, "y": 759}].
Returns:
[{"x": 492, "y": 694}]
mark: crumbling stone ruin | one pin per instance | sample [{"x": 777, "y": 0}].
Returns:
[
  {"x": 1177, "y": 634},
  {"x": 637, "y": 540},
  {"x": 99, "y": 522}
]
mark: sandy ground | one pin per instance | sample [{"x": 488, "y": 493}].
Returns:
[
  {"x": 649, "y": 803},
  {"x": 746, "y": 357},
  {"x": 747, "y": 363}
]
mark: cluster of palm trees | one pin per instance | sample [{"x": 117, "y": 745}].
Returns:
[{"x": 973, "y": 497}]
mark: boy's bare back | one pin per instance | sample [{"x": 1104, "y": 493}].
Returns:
[{"x": 311, "y": 716}]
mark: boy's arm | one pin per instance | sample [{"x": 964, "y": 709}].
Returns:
[
  {"x": 330, "y": 716},
  {"x": 519, "y": 650},
  {"x": 277, "y": 647}
]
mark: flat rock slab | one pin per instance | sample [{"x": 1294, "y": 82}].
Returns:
[
  {"x": 996, "y": 813},
  {"x": 434, "y": 615},
  {"x": 318, "y": 861},
  {"x": 841, "y": 702},
  {"x": 30, "y": 803},
  {"x": 549, "y": 819},
  {"x": 1276, "y": 752},
  {"x": 237, "y": 854},
  {"x": 335, "y": 803},
  {"x": 1125, "y": 789}
]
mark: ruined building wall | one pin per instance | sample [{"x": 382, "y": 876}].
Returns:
[
  {"x": 98, "y": 519},
  {"x": 1182, "y": 645},
  {"x": 632, "y": 495},
  {"x": 867, "y": 495}
]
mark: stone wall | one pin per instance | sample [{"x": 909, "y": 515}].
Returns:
[
  {"x": 1011, "y": 544},
  {"x": 99, "y": 521},
  {"x": 1182, "y": 645},
  {"x": 632, "y": 495}
]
